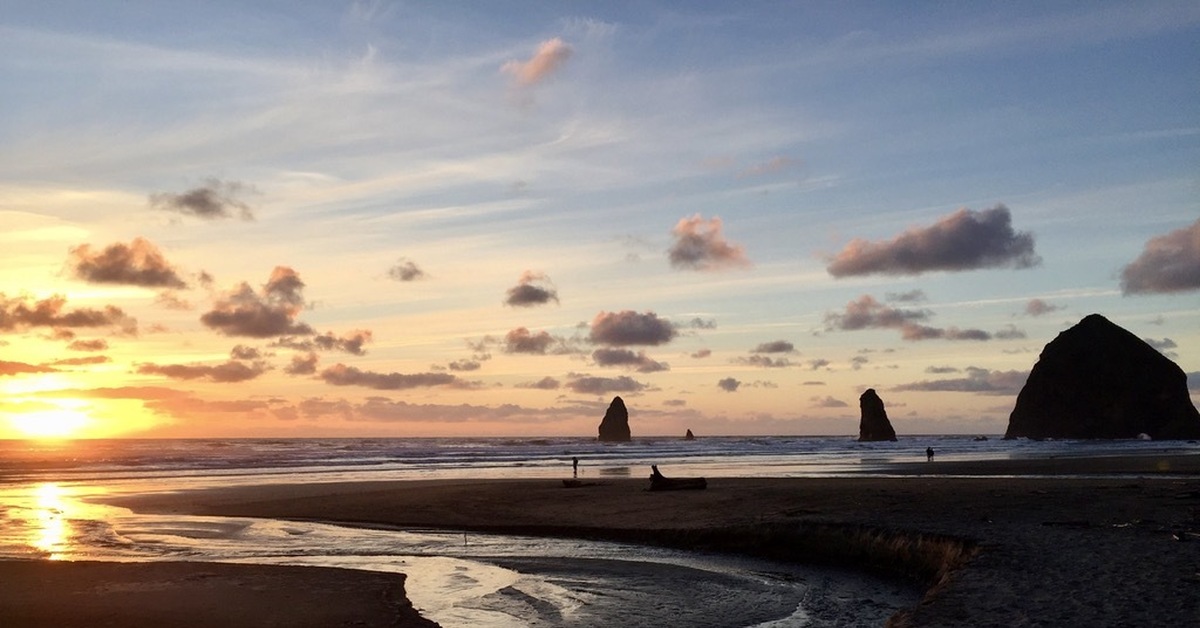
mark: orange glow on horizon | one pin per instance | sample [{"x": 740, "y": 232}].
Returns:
[{"x": 57, "y": 423}]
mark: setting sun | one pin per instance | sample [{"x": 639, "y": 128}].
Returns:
[{"x": 58, "y": 423}]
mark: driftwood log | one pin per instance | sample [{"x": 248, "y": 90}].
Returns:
[{"x": 659, "y": 482}]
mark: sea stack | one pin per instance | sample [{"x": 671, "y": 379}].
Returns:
[
  {"x": 1097, "y": 380},
  {"x": 615, "y": 426},
  {"x": 689, "y": 435},
  {"x": 874, "y": 424}
]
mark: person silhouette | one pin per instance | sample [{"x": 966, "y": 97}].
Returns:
[
  {"x": 928, "y": 454},
  {"x": 575, "y": 466}
]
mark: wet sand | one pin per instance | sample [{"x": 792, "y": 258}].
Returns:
[
  {"x": 999, "y": 543},
  {"x": 198, "y": 595}
]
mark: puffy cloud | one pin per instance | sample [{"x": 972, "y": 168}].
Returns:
[
  {"x": 702, "y": 353},
  {"x": 699, "y": 245},
  {"x": 1038, "y": 307},
  {"x": 19, "y": 313},
  {"x": 1165, "y": 343},
  {"x": 700, "y": 323},
  {"x": 20, "y": 368},
  {"x": 228, "y": 372},
  {"x": 139, "y": 263},
  {"x": 978, "y": 380},
  {"x": 98, "y": 344},
  {"x": 764, "y": 361},
  {"x": 775, "y": 346},
  {"x": 243, "y": 352},
  {"x": 214, "y": 200},
  {"x": 964, "y": 240},
  {"x": 342, "y": 375},
  {"x": 728, "y": 384},
  {"x": 272, "y": 312},
  {"x": 629, "y": 359},
  {"x": 818, "y": 363},
  {"x": 867, "y": 313},
  {"x": 351, "y": 342},
  {"x": 521, "y": 340},
  {"x": 545, "y": 383},
  {"x": 631, "y": 328},
  {"x": 406, "y": 270},
  {"x": 550, "y": 56},
  {"x": 1168, "y": 263},
  {"x": 591, "y": 385},
  {"x": 528, "y": 293},
  {"x": 1163, "y": 346},
  {"x": 464, "y": 365},
  {"x": 302, "y": 364}
]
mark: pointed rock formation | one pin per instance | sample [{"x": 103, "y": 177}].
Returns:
[
  {"x": 689, "y": 435},
  {"x": 1097, "y": 380},
  {"x": 874, "y": 424},
  {"x": 615, "y": 425}
]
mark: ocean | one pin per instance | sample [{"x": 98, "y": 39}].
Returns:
[{"x": 53, "y": 493}]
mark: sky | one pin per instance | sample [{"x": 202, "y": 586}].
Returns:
[{"x": 295, "y": 219}]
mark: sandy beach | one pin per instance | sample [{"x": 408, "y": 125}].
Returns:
[{"x": 997, "y": 543}]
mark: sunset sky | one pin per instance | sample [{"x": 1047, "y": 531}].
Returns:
[{"x": 445, "y": 218}]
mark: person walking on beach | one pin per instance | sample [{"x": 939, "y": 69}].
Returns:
[
  {"x": 929, "y": 454},
  {"x": 575, "y": 466}
]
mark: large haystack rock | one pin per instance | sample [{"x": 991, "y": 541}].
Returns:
[
  {"x": 615, "y": 426},
  {"x": 1097, "y": 380},
  {"x": 874, "y": 424}
]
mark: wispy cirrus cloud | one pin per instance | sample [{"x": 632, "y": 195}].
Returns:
[
  {"x": 550, "y": 56},
  {"x": 964, "y": 240}
]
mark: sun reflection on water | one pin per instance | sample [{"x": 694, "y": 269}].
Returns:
[{"x": 51, "y": 535}]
